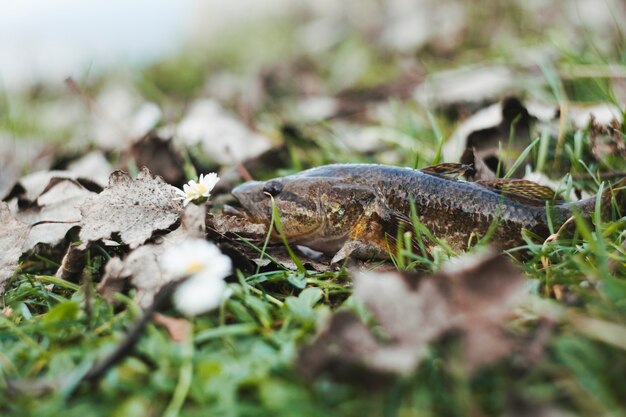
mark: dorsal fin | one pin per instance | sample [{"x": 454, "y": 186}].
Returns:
[
  {"x": 448, "y": 170},
  {"x": 524, "y": 191}
]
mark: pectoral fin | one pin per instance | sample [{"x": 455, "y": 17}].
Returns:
[{"x": 367, "y": 240}]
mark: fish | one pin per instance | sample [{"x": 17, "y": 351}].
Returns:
[{"x": 356, "y": 210}]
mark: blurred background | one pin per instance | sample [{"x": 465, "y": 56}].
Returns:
[
  {"x": 358, "y": 78},
  {"x": 49, "y": 40}
]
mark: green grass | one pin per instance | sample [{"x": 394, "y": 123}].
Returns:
[{"x": 240, "y": 358}]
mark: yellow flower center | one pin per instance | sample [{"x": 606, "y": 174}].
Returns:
[{"x": 194, "y": 267}]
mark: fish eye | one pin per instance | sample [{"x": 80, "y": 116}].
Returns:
[{"x": 273, "y": 188}]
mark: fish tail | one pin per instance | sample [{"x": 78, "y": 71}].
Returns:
[{"x": 615, "y": 193}]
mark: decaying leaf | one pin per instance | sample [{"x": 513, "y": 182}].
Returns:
[
  {"x": 606, "y": 140},
  {"x": 142, "y": 265},
  {"x": 58, "y": 203},
  {"x": 30, "y": 187},
  {"x": 497, "y": 135},
  {"x": 480, "y": 171},
  {"x": 93, "y": 166},
  {"x": 121, "y": 116},
  {"x": 466, "y": 85},
  {"x": 351, "y": 352},
  {"x": 603, "y": 114},
  {"x": 160, "y": 157},
  {"x": 18, "y": 154},
  {"x": 134, "y": 208},
  {"x": 178, "y": 329},
  {"x": 472, "y": 300},
  {"x": 13, "y": 234},
  {"x": 221, "y": 136}
]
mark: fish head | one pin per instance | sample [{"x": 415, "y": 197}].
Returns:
[
  {"x": 296, "y": 202},
  {"x": 318, "y": 212}
]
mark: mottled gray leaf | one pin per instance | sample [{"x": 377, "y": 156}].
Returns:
[
  {"x": 93, "y": 166},
  {"x": 224, "y": 138},
  {"x": 59, "y": 203},
  {"x": 497, "y": 135},
  {"x": 134, "y": 208},
  {"x": 412, "y": 311},
  {"x": 13, "y": 234},
  {"x": 142, "y": 265},
  {"x": 30, "y": 187}
]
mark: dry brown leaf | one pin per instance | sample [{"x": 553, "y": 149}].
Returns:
[
  {"x": 19, "y": 154},
  {"x": 413, "y": 311},
  {"x": 13, "y": 234},
  {"x": 160, "y": 156},
  {"x": 134, "y": 208},
  {"x": 113, "y": 279},
  {"x": 93, "y": 166},
  {"x": 222, "y": 136},
  {"x": 178, "y": 329},
  {"x": 466, "y": 85},
  {"x": 142, "y": 265},
  {"x": 58, "y": 203},
  {"x": 481, "y": 170},
  {"x": 489, "y": 133},
  {"x": 30, "y": 187},
  {"x": 349, "y": 350}
]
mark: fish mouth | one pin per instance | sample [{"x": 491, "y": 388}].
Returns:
[
  {"x": 232, "y": 210},
  {"x": 247, "y": 201}
]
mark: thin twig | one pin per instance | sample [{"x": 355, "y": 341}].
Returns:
[{"x": 99, "y": 369}]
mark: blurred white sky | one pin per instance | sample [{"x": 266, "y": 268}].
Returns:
[
  {"x": 47, "y": 40},
  {"x": 50, "y": 39}
]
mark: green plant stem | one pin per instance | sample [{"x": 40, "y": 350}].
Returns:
[{"x": 184, "y": 380}]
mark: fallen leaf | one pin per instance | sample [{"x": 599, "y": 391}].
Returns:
[
  {"x": 222, "y": 137},
  {"x": 601, "y": 114},
  {"x": 134, "y": 208},
  {"x": 606, "y": 140},
  {"x": 121, "y": 116},
  {"x": 346, "y": 347},
  {"x": 472, "y": 299},
  {"x": 407, "y": 26},
  {"x": 160, "y": 157},
  {"x": 21, "y": 154},
  {"x": 315, "y": 108},
  {"x": 13, "y": 234},
  {"x": 59, "y": 203},
  {"x": 178, "y": 329},
  {"x": 480, "y": 171},
  {"x": 30, "y": 187},
  {"x": 466, "y": 85},
  {"x": 497, "y": 136},
  {"x": 93, "y": 166},
  {"x": 143, "y": 265}
]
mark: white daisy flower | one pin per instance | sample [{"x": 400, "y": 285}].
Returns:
[
  {"x": 206, "y": 268},
  {"x": 195, "y": 256},
  {"x": 199, "y": 294},
  {"x": 198, "y": 191}
]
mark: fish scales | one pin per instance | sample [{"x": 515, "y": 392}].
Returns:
[
  {"x": 450, "y": 209},
  {"x": 356, "y": 209}
]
